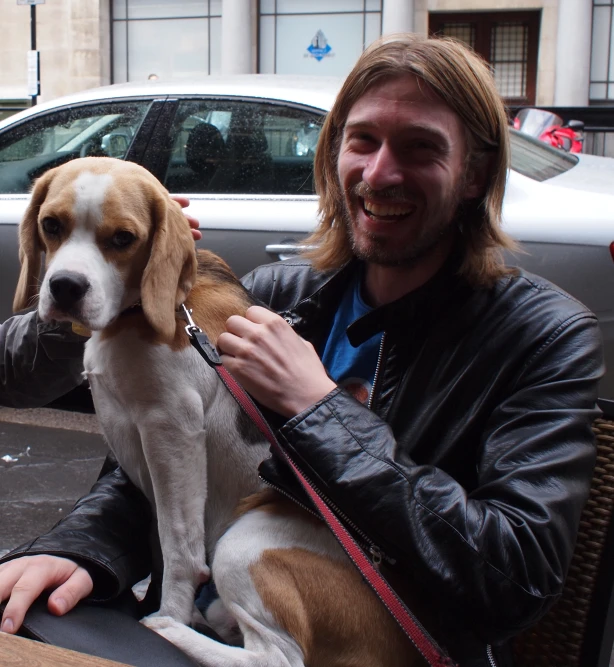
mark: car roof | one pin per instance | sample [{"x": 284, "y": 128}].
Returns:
[{"x": 314, "y": 91}]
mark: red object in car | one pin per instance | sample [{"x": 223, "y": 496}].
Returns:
[
  {"x": 550, "y": 128},
  {"x": 565, "y": 138}
]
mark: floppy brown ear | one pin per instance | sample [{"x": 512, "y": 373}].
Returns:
[
  {"x": 171, "y": 269},
  {"x": 30, "y": 247}
]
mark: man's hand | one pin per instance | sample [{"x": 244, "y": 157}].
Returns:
[
  {"x": 22, "y": 580},
  {"x": 276, "y": 366},
  {"x": 184, "y": 202}
]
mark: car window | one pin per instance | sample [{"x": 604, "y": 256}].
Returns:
[
  {"x": 537, "y": 160},
  {"x": 235, "y": 147},
  {"x": 42, "y": 142}
]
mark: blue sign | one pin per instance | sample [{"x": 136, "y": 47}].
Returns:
[{"x": 319, "y": 48}]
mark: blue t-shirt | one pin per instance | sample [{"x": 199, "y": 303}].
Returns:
[{"x": 352, "y": 368}]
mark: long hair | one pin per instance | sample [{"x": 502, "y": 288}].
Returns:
[{"x": 463, "y": 81}]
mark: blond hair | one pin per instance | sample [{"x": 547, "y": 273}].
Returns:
[{"x": 463, "y": 81}]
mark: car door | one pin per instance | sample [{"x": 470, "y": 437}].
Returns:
[
  {"x": 47, "y": 139},
  {"x": 247, "y": 168}
]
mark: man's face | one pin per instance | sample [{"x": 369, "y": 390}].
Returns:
[{"x": 402, "y": 167}]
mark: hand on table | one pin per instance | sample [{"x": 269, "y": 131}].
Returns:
[{"x": 22, "y": 580}]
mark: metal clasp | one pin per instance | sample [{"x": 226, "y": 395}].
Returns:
[
  {"x": 376, "y": 556},
  {"x": 192, "y": 327}
]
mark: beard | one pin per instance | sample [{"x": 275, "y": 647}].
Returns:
[{"x": 437, "y": 222}]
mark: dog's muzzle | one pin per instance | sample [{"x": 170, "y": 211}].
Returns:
[{"x": 68, "y": 288}]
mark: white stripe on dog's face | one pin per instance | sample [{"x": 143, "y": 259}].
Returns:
[
  {"x": 80, "y": 255},
  {"x": 90, "y": 192}
]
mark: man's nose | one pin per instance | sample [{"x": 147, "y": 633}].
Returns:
[{"x": 383, "y": 169}]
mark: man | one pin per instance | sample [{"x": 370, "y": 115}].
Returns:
[{"x": 467, "y": 457}]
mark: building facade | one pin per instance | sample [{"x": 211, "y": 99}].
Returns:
[{"x": 543, "y": 52}]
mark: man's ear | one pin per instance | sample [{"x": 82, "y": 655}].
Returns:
[
  {"x": 31, "y": 247},
  {"x": 476, "y": 177},
  {"x": 171, "y": 269}
]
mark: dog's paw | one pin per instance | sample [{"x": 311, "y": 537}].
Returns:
[
  {"x": 184, "y": 638},
  {"x": 166, "y": 626}
]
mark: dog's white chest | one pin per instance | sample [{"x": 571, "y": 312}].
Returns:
[{"x": 144, "y": 394}]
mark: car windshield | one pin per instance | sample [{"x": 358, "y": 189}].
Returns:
[{"x": 537, "y": 160}]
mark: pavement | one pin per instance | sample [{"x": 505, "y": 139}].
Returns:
[{"x": 48, "y": 459}]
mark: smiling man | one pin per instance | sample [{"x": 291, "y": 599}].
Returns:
[
  {"x": 468, "y": 455},
  {"x": 439, "y": 399}
]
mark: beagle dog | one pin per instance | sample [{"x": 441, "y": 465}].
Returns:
[{"x": 120, "y": 262}]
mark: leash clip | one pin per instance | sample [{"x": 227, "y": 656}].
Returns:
[
  {"x": 192, "y": 327},
  {"x": 200, "y": 340}
]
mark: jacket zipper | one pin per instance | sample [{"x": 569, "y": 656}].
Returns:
[
  {"x": 490, "y": 656},
  {"x": 380, "y": 356},
  {"x": 367, "y": 545}
]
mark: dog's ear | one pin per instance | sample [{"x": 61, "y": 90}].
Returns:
[
  {"x": 171, "y": 269},
  {"x": 30, "y": 246}
]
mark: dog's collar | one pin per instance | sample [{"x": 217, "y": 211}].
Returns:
[{"x": 137, "y": 305}]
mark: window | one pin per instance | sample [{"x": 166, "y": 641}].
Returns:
[
  {"x": 508, "y": 41},
  {"x": 28, "y": 150},
  {"x": 163, "y": 39},
  {"x": 602, "y": 56},
  {"x": 315, "y": 36},
  {"x": 229, "y": 147}
]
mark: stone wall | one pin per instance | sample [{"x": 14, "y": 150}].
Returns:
[{"x": 73, "y": 38}]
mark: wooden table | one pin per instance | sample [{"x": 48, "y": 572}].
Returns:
[{"x": 19, "y": 652}]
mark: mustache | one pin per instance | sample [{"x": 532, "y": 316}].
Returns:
[{"x": 364, "y": 191}]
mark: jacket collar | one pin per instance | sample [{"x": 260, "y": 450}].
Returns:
[{"x": 444, "y": 288}]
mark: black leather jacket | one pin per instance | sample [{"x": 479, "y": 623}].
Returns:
[{"x": 469, "y": 471}]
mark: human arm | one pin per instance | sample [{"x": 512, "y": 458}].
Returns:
[
  {"x": 106, "y": 533},
  {"x": 495, "y": 542}
]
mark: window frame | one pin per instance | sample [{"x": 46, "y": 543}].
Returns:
[
  {"x": 158, "y": 152},
  {"x": 484, "y": 23}
]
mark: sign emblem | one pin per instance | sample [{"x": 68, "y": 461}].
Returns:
[{"x": 319, "y": 47}]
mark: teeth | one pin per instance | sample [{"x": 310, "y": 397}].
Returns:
[{"x": 382, "y": 210}]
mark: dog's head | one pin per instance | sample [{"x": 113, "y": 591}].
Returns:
[{"x": 111, "y": 236}]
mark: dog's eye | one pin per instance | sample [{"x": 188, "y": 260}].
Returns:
[
  {"x": 51, "y": 226},
  {"x": 122, "y": 239}
]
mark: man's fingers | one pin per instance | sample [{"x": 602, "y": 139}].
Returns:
[
  {"x": 184, "y": 202},
  {"x": 262, "y": 315},
  {"x": 194, "y": 227},
  {"x": 24, "y": 579},
  {"x": 78, "y": 586},
  {"x": 26, "y": 589}
]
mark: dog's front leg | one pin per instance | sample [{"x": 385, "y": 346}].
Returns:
[{"x": 177, "y": 462}]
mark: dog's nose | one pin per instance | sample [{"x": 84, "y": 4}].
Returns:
[{"x": 68, "y": 288}]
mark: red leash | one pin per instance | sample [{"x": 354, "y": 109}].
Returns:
[{"x": 419, "y": 637}]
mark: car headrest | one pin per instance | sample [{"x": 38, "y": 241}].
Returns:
[{"x": 205, "y": 149}]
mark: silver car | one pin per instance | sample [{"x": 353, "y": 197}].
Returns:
[{"x": 242, "y": 149}]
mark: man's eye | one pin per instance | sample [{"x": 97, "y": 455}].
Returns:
[
  {"x": 122, "y": 239},
  {"x": 424, "y": 145},
  {"x": 361, "y": 136},
  {"x": 51, "y": 226}
]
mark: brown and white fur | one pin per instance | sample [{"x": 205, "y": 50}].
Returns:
[{"x": 112, "y": 239}]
